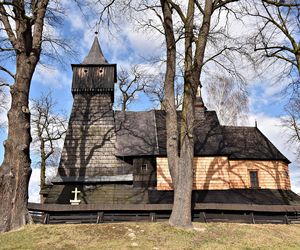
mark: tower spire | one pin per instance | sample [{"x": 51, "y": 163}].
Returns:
[
  {"x": 199, "y": 102},
  {"x": 95, "y": 55}
]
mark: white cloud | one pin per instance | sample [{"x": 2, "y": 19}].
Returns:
[
  {"x": 142, "y": 42},
  {"x": 51, "y": 77},
  {"x": 77, "y": 22},
  {"x": 3, "y": 120},
  {"x": 295, "y": 177},
  {"x": 34, "y": 186},
  {"x": 5, "y": 99},
  {"x": 125, "y": 43},
  {"x": 34, "y": 183}
]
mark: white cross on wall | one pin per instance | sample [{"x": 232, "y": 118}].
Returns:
[{"x": 75, "y": 201}]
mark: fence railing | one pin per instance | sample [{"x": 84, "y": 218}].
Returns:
[{"x": 209, "y": 212}]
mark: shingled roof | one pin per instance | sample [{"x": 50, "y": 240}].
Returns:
[
  {"x": 95, "y": 55},
  {"x": 136, "y": 133},
  {"x": 144, "y": 134}
]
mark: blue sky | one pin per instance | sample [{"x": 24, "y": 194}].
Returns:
[{"x": 129, "y": 46}]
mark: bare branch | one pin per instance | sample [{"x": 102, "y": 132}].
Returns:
[
  {"x": 281, "y": 3},
  {"x": 7, "y": 71},
  {"x": 228, "y": 98},
  {"x": 49, "y": 127},
  {"x": 198, "y": 5},
  {"x": 5, "y": 21},
  {"x": 6, "y": 49},
  {"x": 178, "y": 10},
  {"x": 3, "y": 84},
  {"x": 221, "y": 3},
  {"x": 38, "y": 19},
  {"x": 130, "y": 83},
  {"x": 215, "y": 55}
]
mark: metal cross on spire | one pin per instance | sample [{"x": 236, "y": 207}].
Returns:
[{"x": 97, "y": 28}]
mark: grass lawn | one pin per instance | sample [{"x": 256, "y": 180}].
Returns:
[{"x": 153, "y": 236}]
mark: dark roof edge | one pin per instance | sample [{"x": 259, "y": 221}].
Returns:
[
  {"x": 213, "y": 155},
  {"x": 230, "y": 126},
  {"x": 286, "y": 159},
  {"x": 93, "y": 65},
  {"x": 132, "y": 111},
  {"x": 259, "y": 159},
  {"x": 93, "y": 179}
]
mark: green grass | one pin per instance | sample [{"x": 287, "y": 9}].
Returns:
[{"x": 153, "y": 236}]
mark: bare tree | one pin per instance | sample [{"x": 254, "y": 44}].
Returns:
[
  {"x": 49, "y": 127},
  {"x": 22, "y": 36},
  {"x": 191, "y": 31},
  {"x": 25, "y": 42},
  {"x": 276, "y": 37},
  {"x": 276, "y": 41},
  {"x": 155, "y": 91},
  {"x": 131, "y": 82},
  {"x": 292, "y": 122},
  {"x": 228, "y": 99},
  {"x": 196, "y": 35}
]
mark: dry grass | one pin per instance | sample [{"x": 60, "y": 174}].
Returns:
[{"x": 153, "y": 236}]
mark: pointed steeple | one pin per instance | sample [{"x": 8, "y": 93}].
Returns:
[
  {"x": 95, "y": 55},
  {"x": 199, "y": 102}
]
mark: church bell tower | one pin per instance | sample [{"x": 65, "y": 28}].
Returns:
[
  {"x": 88, "y": 156},
  {"x": 94, "y": 74}
]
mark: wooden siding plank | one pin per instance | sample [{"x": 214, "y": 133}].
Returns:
[{"x": 219, "y": 173}]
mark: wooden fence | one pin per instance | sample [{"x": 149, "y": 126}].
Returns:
[{"x": 208, "y": 212}]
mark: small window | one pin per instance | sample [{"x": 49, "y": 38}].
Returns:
[
  {"x": 254, "y": 179},
  {"x": 144, "y": 168}
]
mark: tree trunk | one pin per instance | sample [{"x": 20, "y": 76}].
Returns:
[
  {"x": 15, "y": 170},
  {"x": 123, "y": 108},
  {"x": 26, "y": 40},
  {"x": 298, "y": 61},
  {"x": 169, "y": 101},
  {"x": 183, "y": 186},
  {"x": 202, "y": 41},
  {"x": 181, "y": 212},
  {"x": 43, "y": 165}
]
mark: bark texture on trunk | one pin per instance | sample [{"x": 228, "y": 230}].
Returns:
[
  {"x": 15, "y": 171},
  {"x": 43, "y": 165},
  {"x": 181, "y": 161},
  {"x": 298, "y": 61},
  {"x": 181, "y": 212},
  {"x": 169, "y": 101}
]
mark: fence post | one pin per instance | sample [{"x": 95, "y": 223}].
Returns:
[
  {"x": 100, "y": 217},
  {"x": 204, "y": 216},
  {"x": 252, "y": 218},
  {"x": 286, "y": 219},
  {"x": 152, "y": 217},
  {"x": 46, "y": 219}
]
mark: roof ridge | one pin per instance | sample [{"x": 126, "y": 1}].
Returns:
[{"x": 232, "y": 126}]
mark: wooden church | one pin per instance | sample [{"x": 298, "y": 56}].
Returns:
[{"x": 114, "y": 157}]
